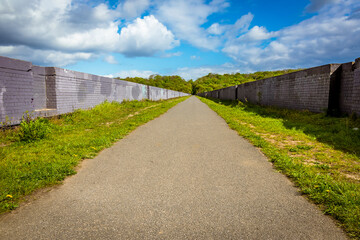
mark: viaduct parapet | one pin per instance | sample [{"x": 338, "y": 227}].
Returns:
[
  {"x": 334, "y": 88},
  {"x": 49, "y": 91}
]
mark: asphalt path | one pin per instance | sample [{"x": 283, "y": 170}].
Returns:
[{"x": 184, "y": 175}]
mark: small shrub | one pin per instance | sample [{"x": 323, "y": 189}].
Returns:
[{"x": 31, "y": 130}]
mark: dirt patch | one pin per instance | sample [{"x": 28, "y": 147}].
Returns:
[
  {"x": 136, "y": 113},
  {"x": 310, "y": 153},
  {"x": 352, "y": 176},
  {"x": 310, "y": 162}
]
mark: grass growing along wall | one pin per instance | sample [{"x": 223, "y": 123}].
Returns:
[
  {"x": 320, "y": 154},
  {"x": 29, "y": 160}
]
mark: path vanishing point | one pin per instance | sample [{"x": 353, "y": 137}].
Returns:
[{"x": 184, "y": 175}]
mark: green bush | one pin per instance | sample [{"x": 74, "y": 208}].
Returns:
[{"x": 31, "y": 130}]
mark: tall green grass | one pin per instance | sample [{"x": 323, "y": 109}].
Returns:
[
  {"x": 43, "y": 152},
  {"x": 320, "y": 154}
]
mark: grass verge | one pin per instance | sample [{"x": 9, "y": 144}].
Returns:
[
  {"x": 320, "y": 154},
  {"x": 30, "y": 163}
]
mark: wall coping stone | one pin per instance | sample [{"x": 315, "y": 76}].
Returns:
[{"x": 15, "y": 64}]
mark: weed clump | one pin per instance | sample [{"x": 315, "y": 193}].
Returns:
[{"x": 33, "y": 129}]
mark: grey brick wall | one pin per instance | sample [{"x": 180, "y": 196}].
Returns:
[
  {"x": 76, "y": 90},
  {"x": 47, "y": 91},
  {"x": 39, "y": 87},
  {"x": 228, "y": 93},
  {"x": 313, "y": 89},
  {"x": 155, "y": 93},
  {"x": 355, "y": 100},
  {"x": 307, "y": 89},
  {"x": 16, "y": 89},
  {"x": 346, "y": 87}
]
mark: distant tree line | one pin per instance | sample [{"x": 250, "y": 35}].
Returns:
[
  {"x": 175, "y": 83},
  {"x": 206, "y": 83}
]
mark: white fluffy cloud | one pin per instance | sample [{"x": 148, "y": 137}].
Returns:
[
  {"x": 145, "y": 37},
  {"x": 57, "y": 25},
  {"x": 232, "y": 30},
  {"x": 258, "y": 33},
  {"x": 185, "y": 17},
  {"x": 132, "y": 8},
  {"x": 72, "y": 28},
  {"x": 332, "y": 35},
  {"x": 62, "y": 32},
  {"x": 216, "y": 29},
  {"x": 47, "y": 57}
]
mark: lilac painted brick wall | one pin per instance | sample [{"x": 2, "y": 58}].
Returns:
[
  {"x": 355, "y": 100},
  {"x": 228, "y": 93},
  {"x": 39, "y": 87},
  {"x": 308, "y": 89},
  {"x": 346, "y": 86},
  {"x": 47, "y": 91},
  {"x": 16, "y": 89}
]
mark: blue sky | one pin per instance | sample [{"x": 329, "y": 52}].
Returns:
[{"x": 190, "y": 38}]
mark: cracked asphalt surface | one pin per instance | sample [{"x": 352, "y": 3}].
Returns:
[{"x": 184, "y": 175}]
